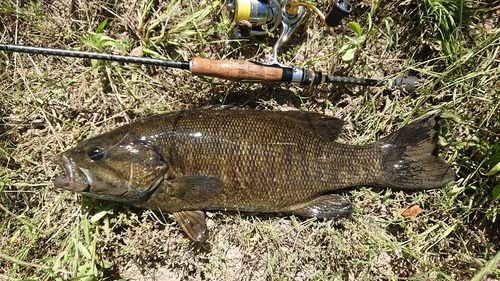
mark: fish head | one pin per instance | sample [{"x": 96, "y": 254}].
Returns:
[{"x": 116, "y": 166}]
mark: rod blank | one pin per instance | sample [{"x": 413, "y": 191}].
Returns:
[{"x": 94, "y": 55}]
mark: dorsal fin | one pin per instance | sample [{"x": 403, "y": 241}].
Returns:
[{"x": 323, "y": 126}]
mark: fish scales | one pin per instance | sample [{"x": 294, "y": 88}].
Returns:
[
  {"x": 247, "y": 160},
  {"x": 278, "y": 163}
]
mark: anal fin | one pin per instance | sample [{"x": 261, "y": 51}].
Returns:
[
  {"x": 330, "y": 206},
  {"x": 193, "y": 223}
]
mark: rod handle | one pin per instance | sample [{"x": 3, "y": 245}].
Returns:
[{"x": 236, "y": 70}]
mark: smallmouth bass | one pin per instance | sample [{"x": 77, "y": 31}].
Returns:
[{"x": 191, "y": 161}]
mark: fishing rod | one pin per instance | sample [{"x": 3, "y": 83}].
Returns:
[
  {"x": 251, "y": 18},
  {"x": 239, "y": 70}
]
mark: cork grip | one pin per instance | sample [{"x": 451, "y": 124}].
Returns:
[{"x": 235, "y": 70}]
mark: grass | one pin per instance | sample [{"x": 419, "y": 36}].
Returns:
[{"x": 48, "y": 104}]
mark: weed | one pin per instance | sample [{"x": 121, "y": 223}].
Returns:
[
  {"x": 48, "y": 104},
  {"x": 352, "y": 45}
]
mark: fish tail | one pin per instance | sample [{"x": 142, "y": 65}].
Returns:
[{"x": 410, "y": 159}]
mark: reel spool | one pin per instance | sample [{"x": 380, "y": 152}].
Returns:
[
  {"x": 257, "y": 17},
  {"x": 255, "y": 13}
]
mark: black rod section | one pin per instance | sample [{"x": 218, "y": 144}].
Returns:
[
  {"x": 93, "y": 55},
  {"x": 354, "y": 81}
]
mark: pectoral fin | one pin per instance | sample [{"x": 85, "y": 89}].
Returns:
[
  {"x": 194, "y": 187},
  {"x": 193, "y": 223},
  {"x": 331, "y": 206}
]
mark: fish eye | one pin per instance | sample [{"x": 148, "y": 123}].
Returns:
[{"x": 96, "y": 153}]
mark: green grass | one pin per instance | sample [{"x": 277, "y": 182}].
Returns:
[{"x": 48, "y": 104}]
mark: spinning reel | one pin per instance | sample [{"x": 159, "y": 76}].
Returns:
[{"x": 257, "y": 17}]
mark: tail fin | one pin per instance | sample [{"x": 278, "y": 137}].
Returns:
[{"x": 410, "y": 157}]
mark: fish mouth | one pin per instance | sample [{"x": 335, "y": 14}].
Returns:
[{"x": 75, "y": 179}]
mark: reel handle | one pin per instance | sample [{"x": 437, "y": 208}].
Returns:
[{"x": 341, "y": 8}]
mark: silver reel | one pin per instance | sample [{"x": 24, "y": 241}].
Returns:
[{"x": 257, "y": 17}]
